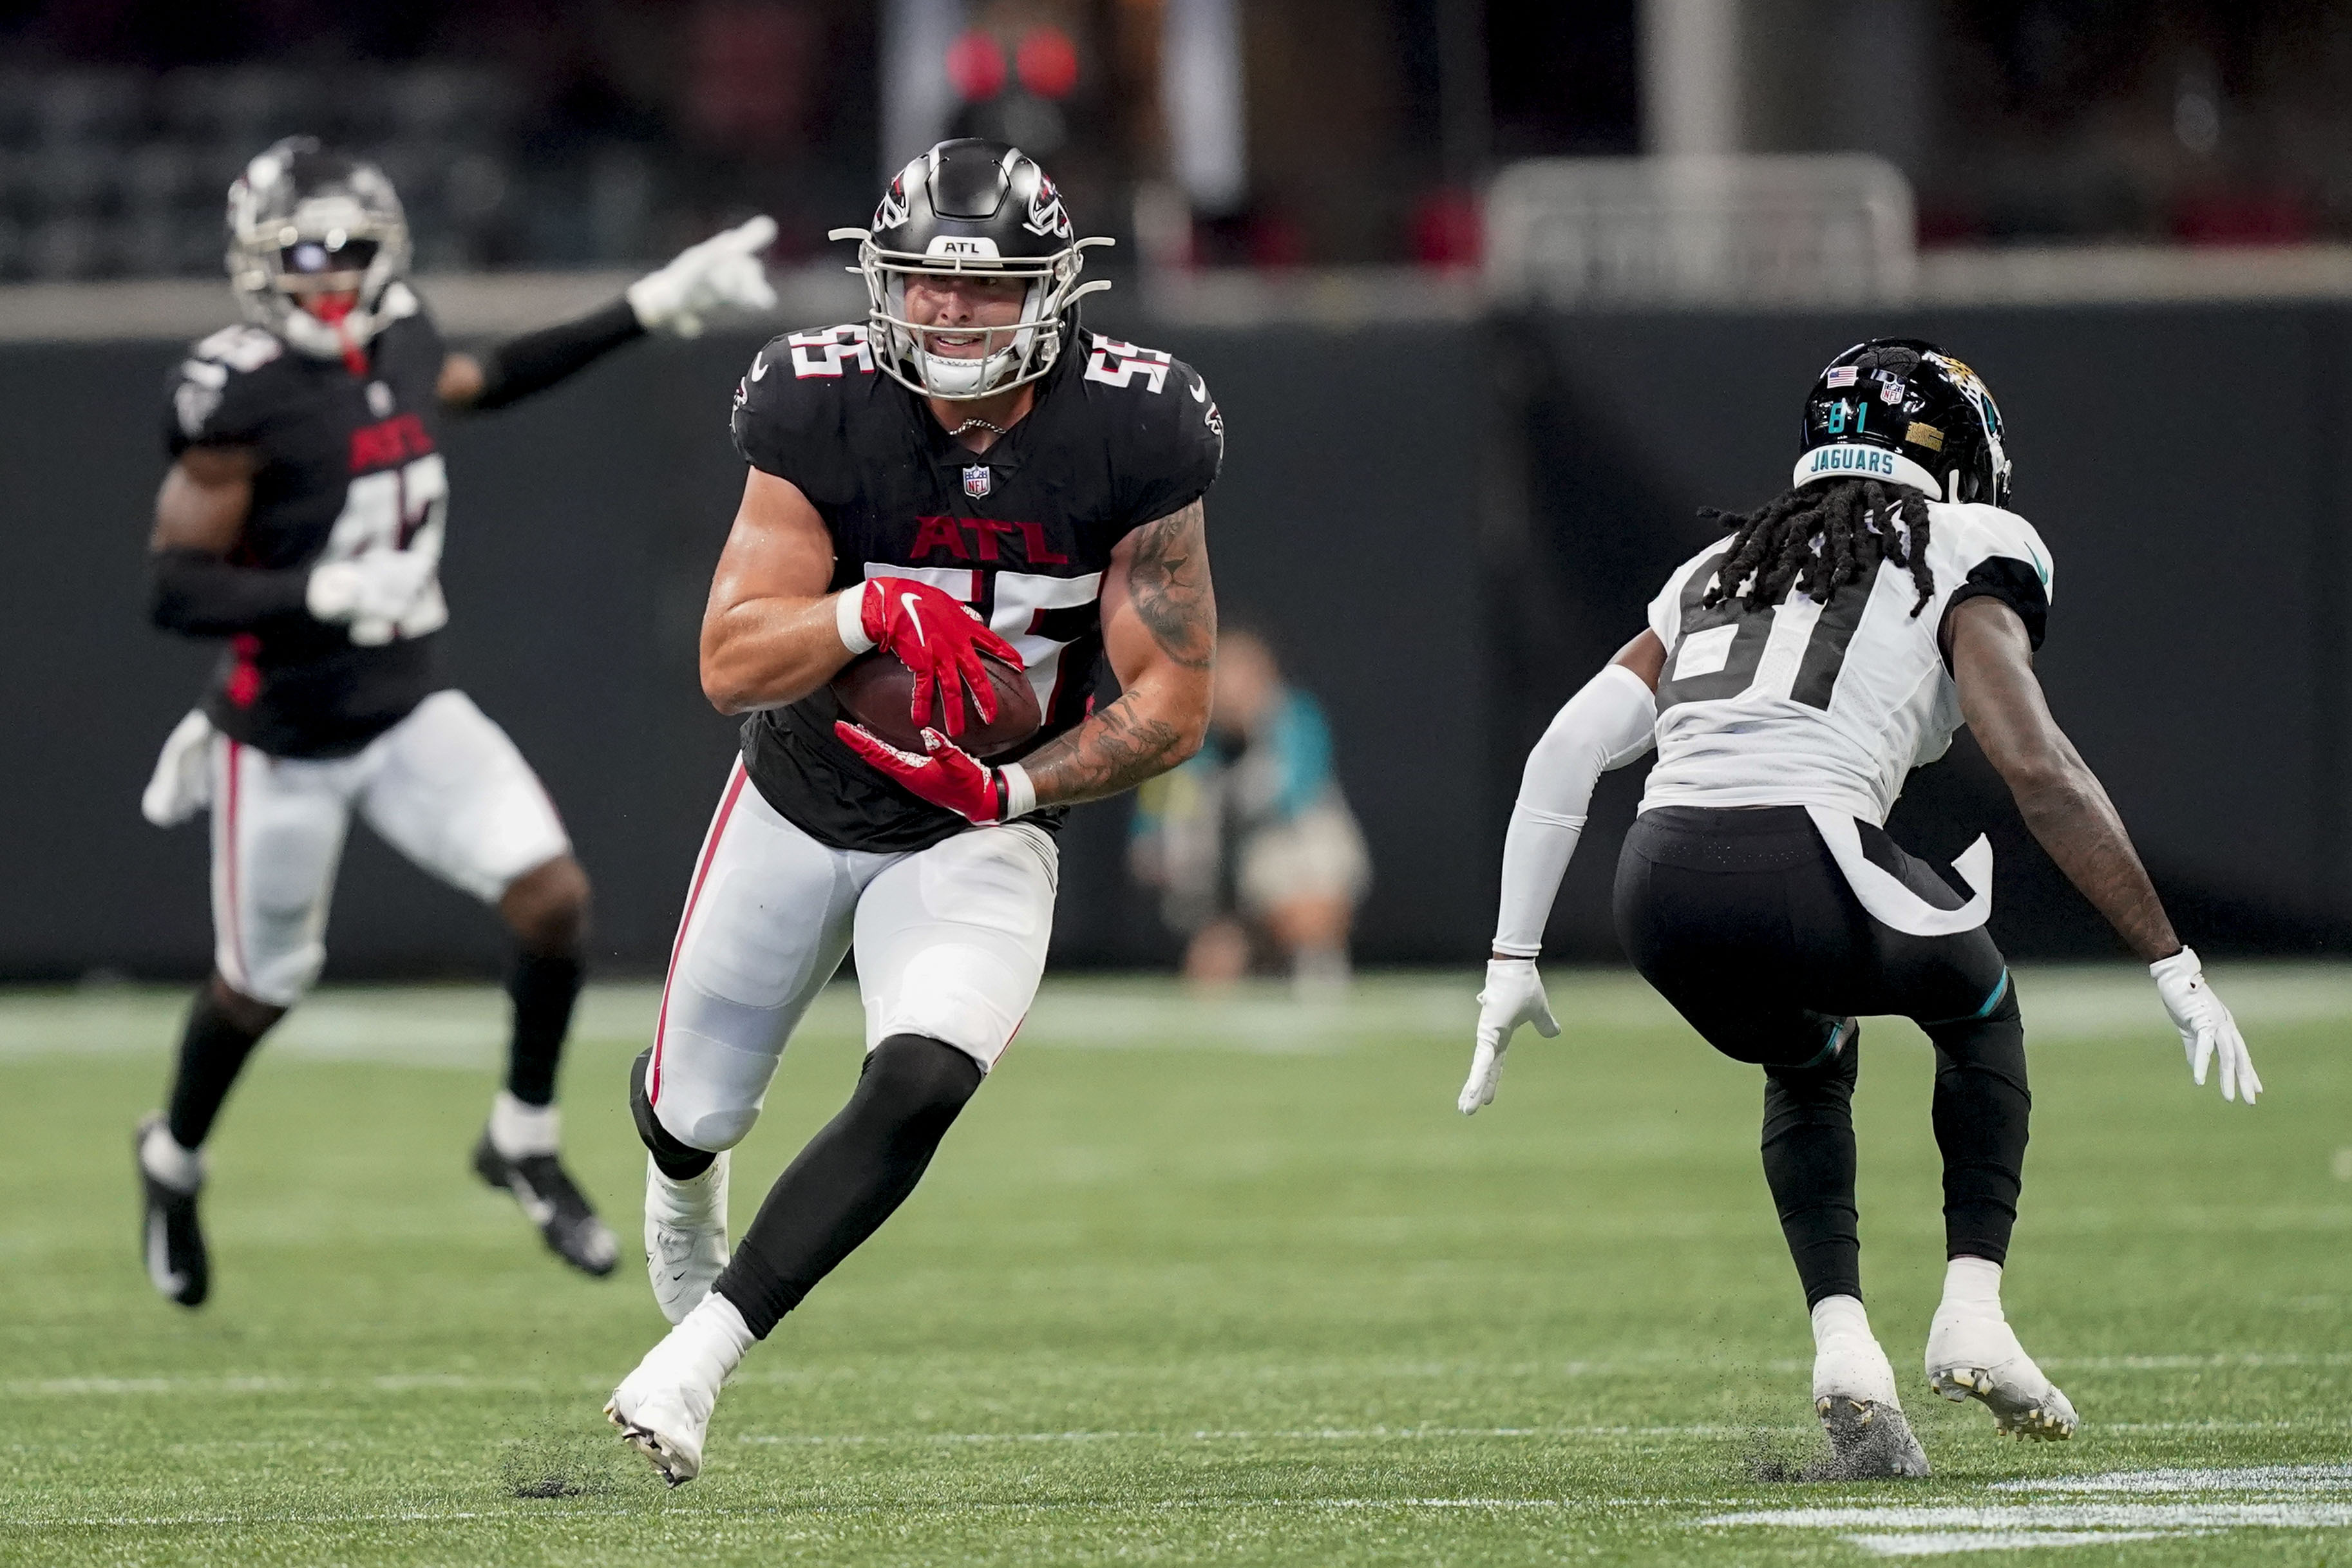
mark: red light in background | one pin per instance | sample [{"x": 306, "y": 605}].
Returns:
[
  {"x": 1049, "y": 61},
  {"x": 976, "y": 65}
]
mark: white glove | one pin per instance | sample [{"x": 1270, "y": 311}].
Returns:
[
  {"x": 723, "y": 271},
  {"x": 183, "y": 781},
  {"x": 1514, "y": 995},
  {"x": 371, "y": 592},
  {"x": 2205, "y": 1025}
]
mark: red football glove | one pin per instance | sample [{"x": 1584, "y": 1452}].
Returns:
[
  {"x": 938, "y": 637},
  {"x": 950, "y": 776}
]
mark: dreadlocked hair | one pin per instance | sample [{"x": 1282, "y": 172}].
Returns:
[{"x": 1774, "y": 547}]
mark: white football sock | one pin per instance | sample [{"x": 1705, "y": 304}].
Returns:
[
  {"x": 518, "y": 1131},
  {"x": 1320, "y": 974},
  {"x": 160, "y": 1156},
  {"x": 716, "y": 1337},
  {"x": 1837, "y": 1315},
  {"x": 1971, "y": 1285},
  {"x": 690, "y": 1203}
]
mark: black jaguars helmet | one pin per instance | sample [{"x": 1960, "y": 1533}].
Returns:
[
  {"x": 303, "y": 221},
  {"x": 1902, "y": 409},
  {"x": 970, "y": 205}
]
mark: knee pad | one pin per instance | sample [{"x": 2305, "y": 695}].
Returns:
[{"x": 678, "y": 1161}]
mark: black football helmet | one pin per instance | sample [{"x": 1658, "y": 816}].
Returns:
[
  {"x": 970, "y": 205},
  {"x": 1902, "y": 409},
  {"x": 304, "y": 220}
]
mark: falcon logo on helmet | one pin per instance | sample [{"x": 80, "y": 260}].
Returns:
[
  {"x": 970, "y": 205},
  {"x": 1047, "y": 216},
  {"x": 318, "y": 246},
  {"x": 1933, "y": 425}
]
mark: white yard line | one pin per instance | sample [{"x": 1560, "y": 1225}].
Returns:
[{"x": 464, "y": 1026}]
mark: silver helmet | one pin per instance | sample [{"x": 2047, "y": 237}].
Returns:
[
  {"x": 970, "y": 206},
  {"x": 303, "y": 222}
]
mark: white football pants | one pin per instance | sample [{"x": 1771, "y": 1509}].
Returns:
[
  {"x": 445, "y": 786},
  {"x": 951, "y": 943}
]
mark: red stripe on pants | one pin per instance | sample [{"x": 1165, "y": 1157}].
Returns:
[
  {"x": 235, "y": 913},
  {"x": 694, "y": 896}
]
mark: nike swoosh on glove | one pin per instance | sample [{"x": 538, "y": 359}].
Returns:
[
  {"x": 369, "y": 592},
  {"x": 721, "y": 273},
  {"x": 2206, "y": 1027},
  {"x": 950, "y": 776},
  {"x": 940, "y": 638},
  {"x": 1514, "y": 995}
]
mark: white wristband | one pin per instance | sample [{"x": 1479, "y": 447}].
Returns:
[
  {"x": 1020, "y": 793},
  {"x": 849, "y": 620}
]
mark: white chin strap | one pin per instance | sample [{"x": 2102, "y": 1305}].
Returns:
[{"x": 318, "y": 339}]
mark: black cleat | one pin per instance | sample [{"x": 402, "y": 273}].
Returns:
[
  {"x": 171, "y": 1242},
  {"x": 554, "y": 1203}
]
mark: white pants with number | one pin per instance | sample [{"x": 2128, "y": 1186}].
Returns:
[
  {"x": 951, "y": 943},
  {"x": 445, "y": 786}
]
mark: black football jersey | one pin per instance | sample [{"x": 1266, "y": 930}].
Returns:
[
  {"x": 1118, "y": 436},
  {"x": 349, "y": 464}
]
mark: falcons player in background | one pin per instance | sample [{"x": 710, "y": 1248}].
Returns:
[
  {"x": 967, "y": 470},
  {"x": 302, "y": 520},
  {"x": 1792, "y": 676}
]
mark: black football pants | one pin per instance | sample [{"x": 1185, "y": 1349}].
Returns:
[{"x": 1743, "y": 920}]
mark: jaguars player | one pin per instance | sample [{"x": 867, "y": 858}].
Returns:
[
  {"x": 966, "y": 470},
  {"x": 1792, "y": 675},
  {"x": 302, "y": 522}
]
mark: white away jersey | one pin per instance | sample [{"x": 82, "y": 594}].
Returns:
[{"x": 1805, "y": 705}]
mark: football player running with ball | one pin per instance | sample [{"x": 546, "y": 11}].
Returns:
[
  {"x": 1792, "y": 676},
  {"x": 964, "y": 477},
  {"x": 302, "y": 520}
]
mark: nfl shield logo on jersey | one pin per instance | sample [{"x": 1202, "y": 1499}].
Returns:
[{"x": 976, "y": 479}]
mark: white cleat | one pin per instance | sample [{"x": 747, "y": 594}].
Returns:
[
  {"x": 685, "y": 1236},
  {"x": 663, "y": 1408},
  {"x": 1855, "y": 1398},
  {"x": 1973, "y": 1353}
]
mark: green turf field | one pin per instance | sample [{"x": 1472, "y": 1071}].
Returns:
[{"x": 1190, "y": 1283}]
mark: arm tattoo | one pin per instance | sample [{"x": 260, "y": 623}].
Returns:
[
  {"x": 1170, "y": 585},
  {"x": 1116, "y": 748},
  {"x": 1125, "y": 743}
]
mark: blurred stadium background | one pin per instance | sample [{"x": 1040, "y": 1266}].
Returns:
[{"x": 1494, "y": 296}]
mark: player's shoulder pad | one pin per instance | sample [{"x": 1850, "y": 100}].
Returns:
[
  {"x": 1168, "y": 436},
  {"x": 225, "y": 387},
  {"x": 1963, "y": 536},
  {"x": 795, "y": 395}
]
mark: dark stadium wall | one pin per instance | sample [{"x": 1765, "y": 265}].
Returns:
[
  {"x": 1444, "y": 530},
  {"x": 584, "y": 528}
]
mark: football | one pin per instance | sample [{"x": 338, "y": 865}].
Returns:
[{"x": 877, "y": 691}]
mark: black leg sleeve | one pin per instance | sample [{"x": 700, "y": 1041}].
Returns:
[
  {"x": 852, "y": 1176},
  {"x": 544, "y": 988},
  {"x": 679, "y": 1161},
  {"x": 213, "y": 1048},
  {"x": 1981, "y": 1110},
  {"x": 1809, "y": 1160}
]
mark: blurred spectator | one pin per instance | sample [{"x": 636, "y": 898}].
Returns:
[{"x": 1250, "y": 844}]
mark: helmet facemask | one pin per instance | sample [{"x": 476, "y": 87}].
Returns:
[
  {"x": 317, "y": 265},
  {"x": 1011, "y": 355},
  {"x": 971, "y": 207}
]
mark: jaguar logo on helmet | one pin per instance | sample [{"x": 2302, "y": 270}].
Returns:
[{"x": 1941, "y": 432}]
